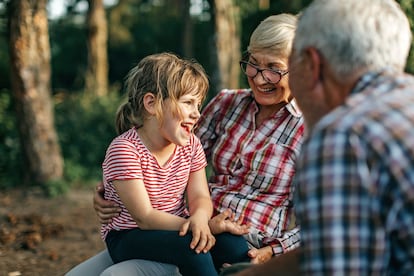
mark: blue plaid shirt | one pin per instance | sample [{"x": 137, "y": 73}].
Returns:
[{"x": 355, "y": 183}]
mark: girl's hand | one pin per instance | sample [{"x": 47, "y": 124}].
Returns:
[
  {"x": 259, "y": 256},
  {"x": 105, "y": 209},
  {"x": 202, "y": 240},
  {"x": 225, "y": 222}
]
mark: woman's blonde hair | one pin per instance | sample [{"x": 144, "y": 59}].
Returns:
[
  {"x": 274, "y": 34},
  {"x": 166, "y": 76}
]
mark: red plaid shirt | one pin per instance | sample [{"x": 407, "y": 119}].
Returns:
[{"x": 253, "y": 166}]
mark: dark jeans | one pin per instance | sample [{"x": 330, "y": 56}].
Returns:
[{"x": 168, "y": 247}]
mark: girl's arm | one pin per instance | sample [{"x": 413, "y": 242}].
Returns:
[
  {"x": 198, "y": 195},
  {"x": 201, "y": 209},
  {"x": 135, "y": 198}
]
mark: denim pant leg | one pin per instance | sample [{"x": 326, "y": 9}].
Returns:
[
  {"x": 230, "y": 249},
  {"x": 92, "y": 266},
  {"x": 160, "y": 246},
  {"x": 139, "y": 267}
]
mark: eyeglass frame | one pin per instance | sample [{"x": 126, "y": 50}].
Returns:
[{"x": 281, "y": 73}]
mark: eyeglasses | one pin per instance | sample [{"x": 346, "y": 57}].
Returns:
[{"x": 269, "y": 75}]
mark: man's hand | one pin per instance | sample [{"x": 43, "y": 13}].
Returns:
[
  {"x": 105, "y": 209},
  {"x": 225, "y": 222}
]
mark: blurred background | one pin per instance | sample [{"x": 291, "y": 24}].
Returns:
[{"x": 63, "y": 62}]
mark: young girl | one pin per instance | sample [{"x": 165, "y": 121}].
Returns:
[{"x": 155, "y": 169}]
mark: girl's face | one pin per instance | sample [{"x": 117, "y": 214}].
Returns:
[
  {"x": 267, "y": 93},
  {"x": 175, "y": 128}
]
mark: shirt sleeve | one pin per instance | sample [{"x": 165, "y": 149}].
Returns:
[
  {"x": 287, "y": 242},
  {"x": 334, "y": 205},
  {"x": 121, "y": 161}
]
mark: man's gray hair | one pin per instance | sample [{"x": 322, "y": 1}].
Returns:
[{"x": 355, "y": 34}]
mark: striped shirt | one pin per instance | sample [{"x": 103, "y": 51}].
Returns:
[
  {"x": 253, "y": 165},
  {"x": 128, "y": 158},
  {"x": 355, "y": 183}
]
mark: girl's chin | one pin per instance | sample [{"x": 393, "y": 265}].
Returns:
[{"x": 182, "y": 141}]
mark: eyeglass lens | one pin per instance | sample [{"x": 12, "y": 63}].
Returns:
[{"x": 269, "y": 75}]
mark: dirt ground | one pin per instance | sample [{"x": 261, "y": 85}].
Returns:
[{"x": 41, "y": 236}]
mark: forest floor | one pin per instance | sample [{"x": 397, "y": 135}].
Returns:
[{"x": 46, "y": 236}]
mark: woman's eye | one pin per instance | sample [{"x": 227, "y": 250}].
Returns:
[
  {"x": 277, "y": 69},
  {"x": 254, "y": 64}
]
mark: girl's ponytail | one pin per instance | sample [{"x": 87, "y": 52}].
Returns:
[{"x": 124, "y": 118}]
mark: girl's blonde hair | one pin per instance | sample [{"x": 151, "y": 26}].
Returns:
[{"x": 166, "y": 76}]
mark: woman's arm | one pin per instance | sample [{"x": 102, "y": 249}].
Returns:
[
  {"x": 106, "y": 210},
  {"x": 135, "y": 198},
  {"x": 288, "y": 241}
]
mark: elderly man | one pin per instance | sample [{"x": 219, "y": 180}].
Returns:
[{"x": 355, "y": 176}]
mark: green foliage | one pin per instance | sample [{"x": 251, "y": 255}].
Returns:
[
  {"x": 54, "y": 188},
  {"x": 68, "y": 54},
  {"x": 10, "y": 161},
  {"x": 407, "y": 6},
  {"x": 85, "y": 126},
  {"x": 4, "y": 56},
  {"x": 151, "y": 29}
]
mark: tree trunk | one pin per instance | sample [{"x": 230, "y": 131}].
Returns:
[
  {"x": 227, "y": 21},
  {"x": 96, "y": 81},
  {"x": 30, "y": 82},
  {"x": 188, "y": 30}
]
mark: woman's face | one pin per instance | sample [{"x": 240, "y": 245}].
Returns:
[{"x": 267, "y": 93}]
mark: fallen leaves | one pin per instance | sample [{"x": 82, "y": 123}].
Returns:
[
  {"x": 42, "y": 236},
  {"x": 27, "y": 231}
]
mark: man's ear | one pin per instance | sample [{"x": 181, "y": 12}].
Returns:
[
  {"x": 315, "y": 64},
  {"x": 149, "y": 103}
]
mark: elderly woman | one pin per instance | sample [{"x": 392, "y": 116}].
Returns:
[{"x": 252, "y": 139}]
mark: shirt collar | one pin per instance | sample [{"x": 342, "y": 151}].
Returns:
[
  {"x": 368, "y": 78},
  {"x": 293, "y": 108}
]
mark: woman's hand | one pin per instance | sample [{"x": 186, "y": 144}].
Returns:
[
  {"x": 202, "y": 240},
  {"x": 225, "y": 222},
  {"x": 259, "y": 256},
  {"x": 105, "y": 209}
]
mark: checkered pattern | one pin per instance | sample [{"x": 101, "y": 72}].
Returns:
[
  {"x": 253, "y": 165},
  {"x": 355, "y": 183}
]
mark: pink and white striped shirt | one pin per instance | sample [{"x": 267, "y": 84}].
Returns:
[{"x": 128, "y": 158}]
